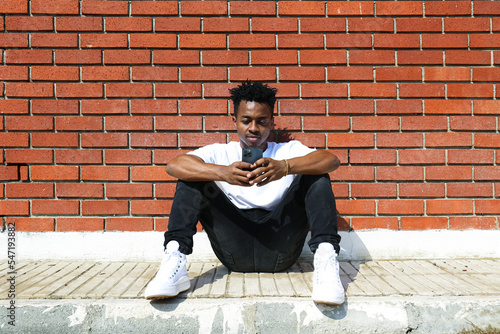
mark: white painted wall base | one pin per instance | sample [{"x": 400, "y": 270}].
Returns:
[{"x": 148, "y": 246}]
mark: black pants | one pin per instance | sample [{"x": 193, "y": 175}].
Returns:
[{"x": 256, "y": 240}]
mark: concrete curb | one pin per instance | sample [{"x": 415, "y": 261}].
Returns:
[{"x": 396, "y": 314}]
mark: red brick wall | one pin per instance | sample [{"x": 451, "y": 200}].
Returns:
[{"x": 98, "y": 96}]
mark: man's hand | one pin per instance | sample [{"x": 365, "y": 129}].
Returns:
[
  {"x": 267, "y": 170},
  {"x": 236, "y": 174}
]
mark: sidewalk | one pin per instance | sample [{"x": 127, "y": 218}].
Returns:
[{"x": 421, "y": 296}]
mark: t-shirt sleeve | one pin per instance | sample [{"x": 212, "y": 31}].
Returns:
[
  {"x": 206, "y": 153},
  {"x": 297, "y": 149}
]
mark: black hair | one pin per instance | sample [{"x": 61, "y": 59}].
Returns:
[{"x": 255, "y": 92}]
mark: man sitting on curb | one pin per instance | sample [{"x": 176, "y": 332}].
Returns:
[{"x": 256, "y": 216}]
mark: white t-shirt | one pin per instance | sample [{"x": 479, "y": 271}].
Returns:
[{"x": 265, "y": 197}]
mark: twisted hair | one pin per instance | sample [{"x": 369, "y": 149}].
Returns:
[{"x": 253, "y": 91}]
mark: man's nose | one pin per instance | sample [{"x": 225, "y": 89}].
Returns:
[{"x": 253, "y": 127}]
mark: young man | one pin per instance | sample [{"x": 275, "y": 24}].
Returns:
[{"x": 256, "y": 216}]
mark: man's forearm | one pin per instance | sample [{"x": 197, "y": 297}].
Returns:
[
  {"x": 315, "y": 163},
  {"x": 191, "y": 168}
]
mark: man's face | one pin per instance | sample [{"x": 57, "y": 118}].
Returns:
[{"x": 254, "y": 122}]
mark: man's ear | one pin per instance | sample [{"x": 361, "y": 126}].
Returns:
[{"x": 234, "y": 121}]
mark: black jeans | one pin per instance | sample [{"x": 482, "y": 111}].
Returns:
[{"x": 256, "y": 240}]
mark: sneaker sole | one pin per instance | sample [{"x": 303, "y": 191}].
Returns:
[
  {"x": 181, "y": 287},
  {"x": 328, "y": 302}
]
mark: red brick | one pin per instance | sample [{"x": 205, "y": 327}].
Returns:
[
  {"x": 151, "y": 207},
  {"x": 447, "y": 8},
  {"x": 292, "y": 123},
  {"x": 488, "y": 206},
  {"x": 95, "y": 7},
  {"x": 255, "y": 73},
  {"x": 14, "y": 7},
  {"x": 400, "y": 207},
  {"x": 470, "y": 90},
  {"x": 301, "y": 74},
  {"x": 385, "y": 107},
  {"x": 316, "y": 140},
  {"x": 358, "y": 207},
  {"x": 79, "y": 123},
  {"x": 104, "y": 140},
  {"x": 464, "y": 223},
  {"x": 57, "y": 7},
  {"x": 470, "y": 157},
  {"x": 54, "y": 173},
  {"x": 177, "y": 24},
  {"x": 421, "y": 190},
  {"x": 295, "y": 8},
  {"x": 54, "y": 139},
  {"x": 444, "y": 173},
  {"x": 204, "y": 8},
  {"x": 365, "y": 223},
  {"x": 29, "y": 156},
  {"x": 398, "y": 74},
  {"x": 487, "y": 140},
  {"x": 200, "y": 139},
  {"x": 253, "y": 41},
  {"x": 486, "y": 107},
  {"x": 80, "y": 190},
  {"x": 484, "y": 41},
  {"x": 351, "y": 8},
  {"x": 399, "y": 140},
  {"x": 350, "y": 140},
  {"x": 324, "y": 90},
  {"x": 444, "y": 41},
  {"x": 274, "y": 57},
  {"x": 406, "y": 173},
  {"x": 369, "y": 123},
  {"x": 370, "y": 24},
  {"x": 79, "y": 90},
  {"x": 354, "y": 173},
  {"x": 486, "y": 74},
  {"x": 54, "y": 107},
  {"x": 422, "y": 157},
  {"x": 13, "y": 40},
  {"x": 107, "y": 207},
  {"x": 161, "y": 41},
  {"x": 180, "y": 123},
  {"x": 14, "y": 208},
  {"x": 178, "y": 90},
  {"x": 14, "y": 139},
  {"x": 165, "y": 190},
  {"x": 29, "y": 123},
  {"x": 486, "y": 8},
  {"x": 129, "y": 123},
  {"x": 29, "y": 23},
  {"x": 78, "y": 156},
  {"x": 176, "y": 57},
  {"x": 350, "y": 73},
  {"x": 198, "y": 41},
  {"x": 203, "y": 73},
  {"x": 71, "y": 23},
  {"x": 149, "y": 173},
  {"x": 155, "y": 8},
  {"x": 378, "y": 157},
  {"x": 98, "y": 41},
  {"x": 258, "y": 8},
  {"x": 33, "y": 224},
  {"x": 448, "y": 107},
  {"x": 303, "y": 107},
  {"x": 486, "y": 173},
  {"x": 79, "y": 224},
  {"x": 449, "y": 207},
  {"x": 53, "y": 73},
  {"x": 104, "y": 173},
  {"x": 472, "y": 123},
  {"x": 104, "y": 106},
  {"x": 217, "y": 57},
  {"x": 364, "y": 57},
  {"x": 424, "y": 123},
  {"x": 423, "y": 223},
  {"x": 466, "y": 24},
  {"x": 326, "y": 123},
  {"x": 133, "y": 57},
  {"x": 128, "y": 157},
  {"x": 447, "y": 74},
  {"x": 119, "y": 89},
  {"x": 29, "y": 190},
  {"x": 377, "y": 90},
  {"x": 129, "y": 224},
  {"x": 327, "y": 57},
  {"x": 13, "y": 73},
  {"x": 321, "y": 24},
  {"x": 461, "y": 57},
  {"x": 79, "y": 57},
  {"x": 224, "y": 24},
  {"x": 29, "y": 89},
  {"x": 401, "y": 8},
  {"x": 55, "y": 207},
  {"x": 153, "y": 106},
  {"x": 54, "y": 40},
  {"x": 415, "y": 24},
  {"x": 129, "y": 24},
  {"x": 391, "y": 41},
  {"x": 121, "y": 190},
  {"x": 420, "y": 57},
  {"x": 153, "y": 140},
  {"x": 470, "y": 190},
  {"x": 334, "y": 41},
  {"x": 448, "y": 139},
  {"x": 203, "y": 107}
]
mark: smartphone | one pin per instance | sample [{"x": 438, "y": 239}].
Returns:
[{"x": 251, "y": 154}]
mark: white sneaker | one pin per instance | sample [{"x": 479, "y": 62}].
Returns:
[
  {"x": 172, "y": 278},
  {"x": 327, "y": 287}
]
